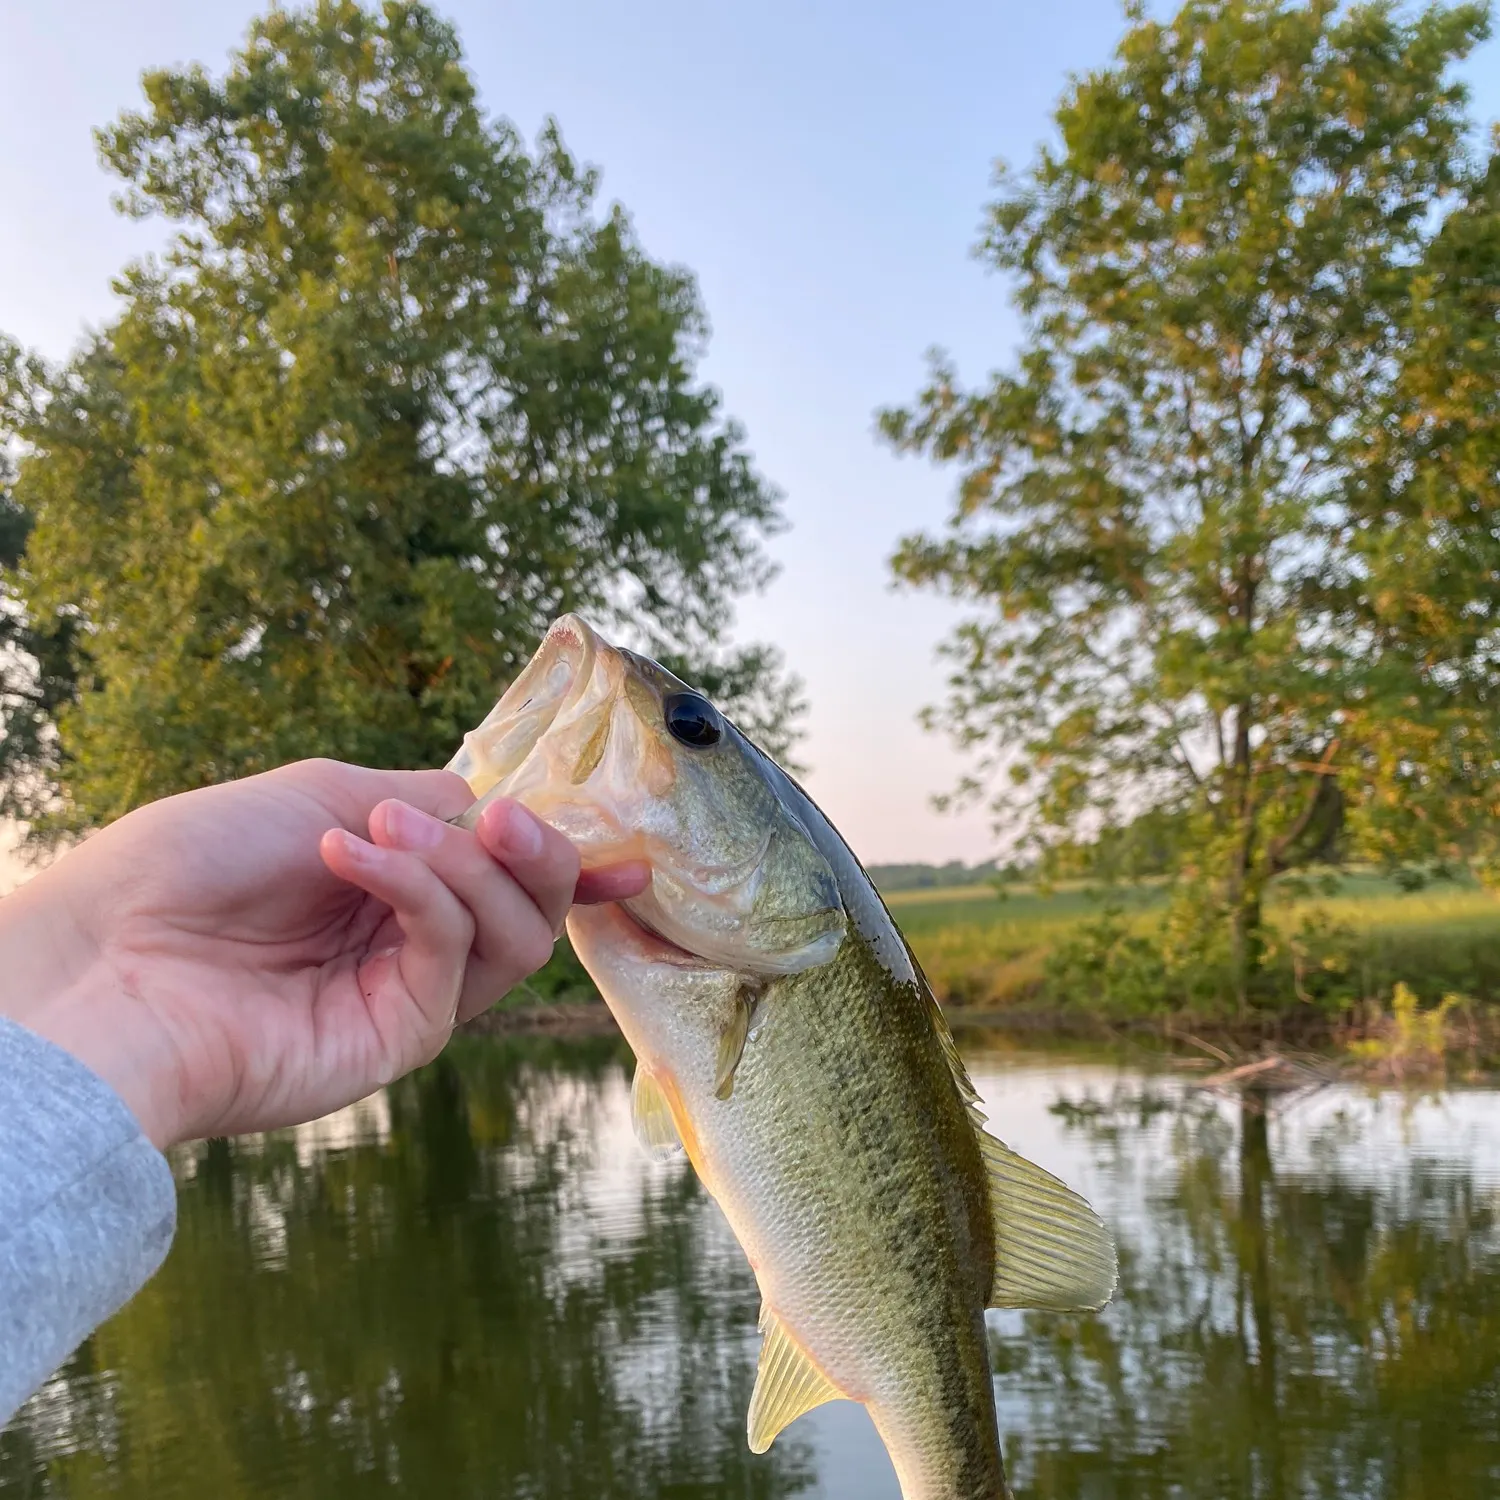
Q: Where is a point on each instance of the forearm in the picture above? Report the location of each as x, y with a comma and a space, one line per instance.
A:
87, 1208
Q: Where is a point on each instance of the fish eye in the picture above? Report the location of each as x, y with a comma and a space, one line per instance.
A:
693, 720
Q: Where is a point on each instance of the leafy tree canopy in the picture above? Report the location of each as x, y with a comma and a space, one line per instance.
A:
396, 396
1230, 526
37, 658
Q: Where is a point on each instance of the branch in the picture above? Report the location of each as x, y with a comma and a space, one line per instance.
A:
1187, 762
1266, 379
1319, 771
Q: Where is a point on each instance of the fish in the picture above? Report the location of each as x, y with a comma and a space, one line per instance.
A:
787, 1041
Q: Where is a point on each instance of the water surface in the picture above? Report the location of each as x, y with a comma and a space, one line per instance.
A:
473, 1284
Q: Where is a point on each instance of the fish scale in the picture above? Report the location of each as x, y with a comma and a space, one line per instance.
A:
866, 1262
910, 1248
860, 1264
838, 1132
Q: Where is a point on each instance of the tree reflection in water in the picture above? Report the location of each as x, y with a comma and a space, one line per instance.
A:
1278, 1333
489, 1295
475, 1285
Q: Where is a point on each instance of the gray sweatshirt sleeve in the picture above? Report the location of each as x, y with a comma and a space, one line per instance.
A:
87, 1208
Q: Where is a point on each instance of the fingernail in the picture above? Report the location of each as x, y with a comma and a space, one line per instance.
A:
411, 829
517, 831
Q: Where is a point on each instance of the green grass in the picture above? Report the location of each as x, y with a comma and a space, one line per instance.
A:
980, 906
990, 952
984, 949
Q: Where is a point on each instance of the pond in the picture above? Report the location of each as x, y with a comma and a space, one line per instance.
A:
474, 1284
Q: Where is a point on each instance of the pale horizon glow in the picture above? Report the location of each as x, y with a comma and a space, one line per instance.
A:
822, 170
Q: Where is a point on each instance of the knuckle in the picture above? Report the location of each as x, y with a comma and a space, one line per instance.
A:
465, 928
532, 947
317, 768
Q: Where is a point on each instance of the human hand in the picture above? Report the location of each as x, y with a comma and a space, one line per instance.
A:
237, 958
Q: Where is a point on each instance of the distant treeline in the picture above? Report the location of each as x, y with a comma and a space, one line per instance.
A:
920, 877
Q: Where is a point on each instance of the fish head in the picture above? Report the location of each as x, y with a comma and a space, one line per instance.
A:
629, 762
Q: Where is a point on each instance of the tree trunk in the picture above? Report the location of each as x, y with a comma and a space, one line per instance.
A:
1243, 887
1245, 940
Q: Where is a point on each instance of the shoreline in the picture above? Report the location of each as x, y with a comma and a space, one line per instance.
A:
566, 1018
581, 1018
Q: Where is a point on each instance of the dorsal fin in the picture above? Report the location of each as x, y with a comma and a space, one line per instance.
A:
652, 1117
1051, 1249
967, 1092
787, 1384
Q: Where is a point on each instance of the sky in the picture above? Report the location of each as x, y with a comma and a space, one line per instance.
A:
820, 167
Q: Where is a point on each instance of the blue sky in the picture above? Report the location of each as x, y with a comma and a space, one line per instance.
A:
821, 167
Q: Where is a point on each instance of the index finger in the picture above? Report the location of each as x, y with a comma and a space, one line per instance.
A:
540, 860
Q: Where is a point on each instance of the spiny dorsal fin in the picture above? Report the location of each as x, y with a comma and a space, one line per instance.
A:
787, 1385
1052, 1250
966, 1089
654, 1127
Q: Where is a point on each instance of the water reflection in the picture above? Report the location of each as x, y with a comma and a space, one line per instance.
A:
474, 1284
479, 1288
1309, 1303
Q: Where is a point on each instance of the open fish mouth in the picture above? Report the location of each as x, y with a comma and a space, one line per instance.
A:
549, 683
583, 738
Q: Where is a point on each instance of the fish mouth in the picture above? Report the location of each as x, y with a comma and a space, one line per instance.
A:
548, 685
645, 941
570, 739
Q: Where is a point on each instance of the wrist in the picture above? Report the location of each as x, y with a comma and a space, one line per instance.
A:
55, 982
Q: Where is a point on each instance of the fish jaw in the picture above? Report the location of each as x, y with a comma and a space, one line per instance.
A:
561, 667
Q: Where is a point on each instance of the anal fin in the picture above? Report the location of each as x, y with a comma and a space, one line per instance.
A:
787, 1385
652, 1117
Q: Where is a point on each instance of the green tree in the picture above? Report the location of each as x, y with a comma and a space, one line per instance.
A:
1214, 573
396, 396
1428, 556
37, 657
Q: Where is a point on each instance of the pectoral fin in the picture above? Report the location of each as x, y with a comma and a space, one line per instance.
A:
732, 1046
787, 1385
652, 1118
1051, 1249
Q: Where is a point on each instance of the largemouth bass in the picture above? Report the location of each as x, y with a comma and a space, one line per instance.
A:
786, 1039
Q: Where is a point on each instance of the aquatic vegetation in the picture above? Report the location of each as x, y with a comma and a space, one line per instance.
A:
1408, 1041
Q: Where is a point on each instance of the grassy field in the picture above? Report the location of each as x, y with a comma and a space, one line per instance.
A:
991, 952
